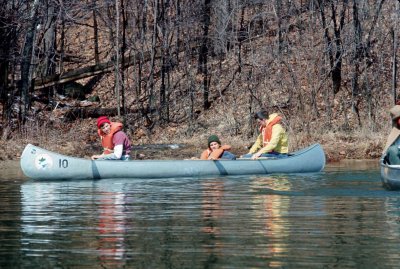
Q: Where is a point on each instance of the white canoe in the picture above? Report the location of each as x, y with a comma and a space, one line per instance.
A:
41, 164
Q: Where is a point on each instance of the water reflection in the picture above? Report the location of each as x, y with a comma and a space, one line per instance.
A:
10, 211
212, 193
392, 209
272, 209
38, 204
51, 211
340, 225
212, 213
331, 219
111, 227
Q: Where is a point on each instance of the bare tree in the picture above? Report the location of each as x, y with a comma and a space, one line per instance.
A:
334, 41
117, 56
8, 46
311, 57
222, 17
26, 70
49, 44
95, 32
203, 54
394, 55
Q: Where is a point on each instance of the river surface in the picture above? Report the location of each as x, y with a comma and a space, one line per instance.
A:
339, 218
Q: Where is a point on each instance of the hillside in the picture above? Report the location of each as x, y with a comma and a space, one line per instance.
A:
327, 71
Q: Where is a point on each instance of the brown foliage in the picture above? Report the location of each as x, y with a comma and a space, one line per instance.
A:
286, 62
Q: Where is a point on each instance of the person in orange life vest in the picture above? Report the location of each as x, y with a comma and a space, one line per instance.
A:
216, 151
116, 144
272, 140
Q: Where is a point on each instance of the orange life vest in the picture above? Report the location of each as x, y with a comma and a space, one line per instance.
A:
107, 140
215, 154
267, 130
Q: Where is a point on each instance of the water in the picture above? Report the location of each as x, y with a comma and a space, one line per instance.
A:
340, 218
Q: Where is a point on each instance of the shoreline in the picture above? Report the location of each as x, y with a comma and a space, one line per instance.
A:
11, 170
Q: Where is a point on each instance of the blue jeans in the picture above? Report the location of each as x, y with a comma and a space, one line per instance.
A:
228, 156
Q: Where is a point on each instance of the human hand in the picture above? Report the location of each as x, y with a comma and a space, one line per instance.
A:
95, 157
256, 156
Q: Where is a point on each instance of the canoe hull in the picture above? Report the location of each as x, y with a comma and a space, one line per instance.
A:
390, 175
38, 163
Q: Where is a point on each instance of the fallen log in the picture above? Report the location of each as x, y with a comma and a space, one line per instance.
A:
89, 71
95, 112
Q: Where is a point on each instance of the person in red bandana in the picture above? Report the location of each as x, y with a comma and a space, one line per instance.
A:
116, 144
273, 139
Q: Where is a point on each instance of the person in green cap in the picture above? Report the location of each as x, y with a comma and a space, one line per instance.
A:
216, 151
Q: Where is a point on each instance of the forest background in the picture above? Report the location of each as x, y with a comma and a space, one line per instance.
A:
176, 71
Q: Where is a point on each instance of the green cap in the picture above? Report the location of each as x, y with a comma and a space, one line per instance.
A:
213, 138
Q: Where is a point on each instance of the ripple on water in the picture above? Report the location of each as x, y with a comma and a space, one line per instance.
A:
330, 219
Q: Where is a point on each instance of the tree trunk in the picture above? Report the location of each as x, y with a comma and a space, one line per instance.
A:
203, 56
220, 8
95, 34
4, 81
62, 44
335, 58
26, 60
50, 43
123, 49
336, 73
117, 57
394, 66
358, 52
153, 55
280, 31
178, 28
163, 102
7, 41
241, 35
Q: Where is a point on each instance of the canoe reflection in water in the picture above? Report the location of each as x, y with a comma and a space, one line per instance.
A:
212, 211
111, 228
273, 209
54, 218
267, 216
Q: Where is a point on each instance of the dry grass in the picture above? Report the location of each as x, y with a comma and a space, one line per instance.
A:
230, 123
79, 139
337, 146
